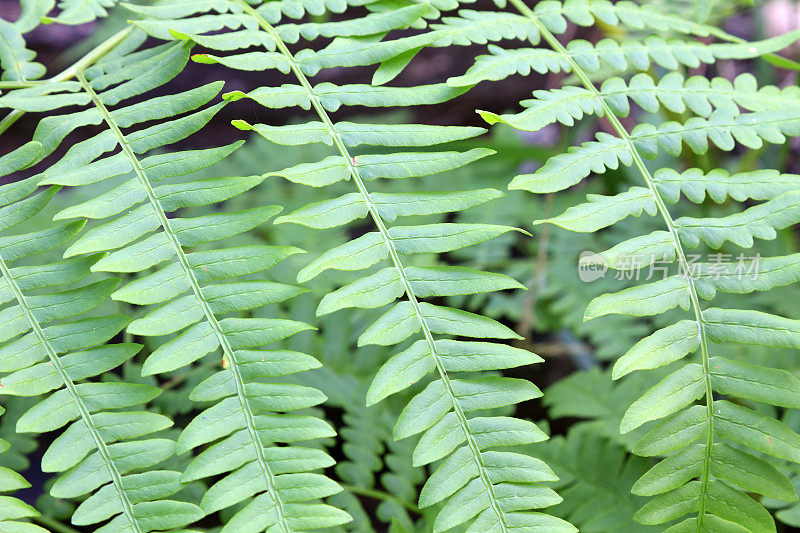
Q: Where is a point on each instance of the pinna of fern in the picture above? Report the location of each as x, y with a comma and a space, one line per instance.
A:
16, 60
712, 447
495, 490
192, 289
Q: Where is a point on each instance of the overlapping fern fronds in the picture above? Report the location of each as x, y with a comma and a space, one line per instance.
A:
712, 446
207, 307
74, 11
596, 477
137, 228
35, 12
17, 61
497, 489
51, 347
189, 285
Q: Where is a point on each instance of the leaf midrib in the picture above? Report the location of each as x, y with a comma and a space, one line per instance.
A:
195, 286
99, 443
354, 172
651, 184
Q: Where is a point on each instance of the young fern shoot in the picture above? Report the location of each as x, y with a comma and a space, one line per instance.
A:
496, 490
704, 475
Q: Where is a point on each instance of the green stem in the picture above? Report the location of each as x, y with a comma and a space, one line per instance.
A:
227, 350
22, 84
102, 448
393, 254
380, 495
82, 64
54, 525
556, 45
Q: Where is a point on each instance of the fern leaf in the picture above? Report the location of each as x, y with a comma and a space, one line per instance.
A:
501, 502
721, 128
585, 217
470, 27
719, 185
16, 60
675, 93
567, 169
31, 13
47, 356
553, 16
759, 221
618, 56
136, 232
332, 96
705, 475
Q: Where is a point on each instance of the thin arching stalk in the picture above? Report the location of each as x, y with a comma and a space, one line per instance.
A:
683, 263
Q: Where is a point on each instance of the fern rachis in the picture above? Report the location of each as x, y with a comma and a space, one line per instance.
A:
395, 259
228, 353
706, 495
679, 251
497, 512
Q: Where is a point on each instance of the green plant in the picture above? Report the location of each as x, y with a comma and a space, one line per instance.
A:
701, 477
439, 409
198, 384
46, 354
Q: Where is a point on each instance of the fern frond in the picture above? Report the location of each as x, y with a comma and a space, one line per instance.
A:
473, 27
698, 94
31, 13
670, 54
553, 15
46, 355
711, 464
722, 128
140, 233
472, 479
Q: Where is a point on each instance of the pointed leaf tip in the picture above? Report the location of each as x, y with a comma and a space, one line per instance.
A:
180, 35
488, 116
233, 96
241, 124
203, 58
